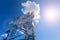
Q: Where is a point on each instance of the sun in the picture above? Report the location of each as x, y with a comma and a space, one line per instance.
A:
50, 13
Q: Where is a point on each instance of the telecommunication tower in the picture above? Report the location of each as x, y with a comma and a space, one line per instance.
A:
24, 26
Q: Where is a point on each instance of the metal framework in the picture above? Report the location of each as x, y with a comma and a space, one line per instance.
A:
24, 26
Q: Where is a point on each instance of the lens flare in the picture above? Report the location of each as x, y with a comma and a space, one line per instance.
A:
50, 14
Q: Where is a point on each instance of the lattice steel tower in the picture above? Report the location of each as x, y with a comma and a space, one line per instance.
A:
24, 26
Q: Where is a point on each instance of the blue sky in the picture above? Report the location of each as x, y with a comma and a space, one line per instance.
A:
10, 9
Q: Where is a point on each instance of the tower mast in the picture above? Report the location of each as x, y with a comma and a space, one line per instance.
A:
24, 26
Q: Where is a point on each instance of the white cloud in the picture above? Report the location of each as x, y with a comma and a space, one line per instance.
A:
30, 7
4, 35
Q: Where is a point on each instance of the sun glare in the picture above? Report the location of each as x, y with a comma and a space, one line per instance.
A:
50, 13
